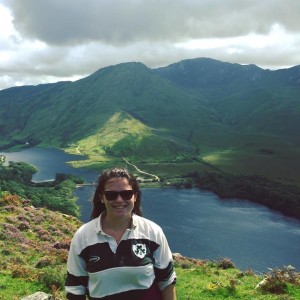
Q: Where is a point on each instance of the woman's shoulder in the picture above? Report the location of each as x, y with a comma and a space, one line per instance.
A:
85, 235
146, 223
87, 228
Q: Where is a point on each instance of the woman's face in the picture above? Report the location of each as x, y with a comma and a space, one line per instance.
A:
116, 206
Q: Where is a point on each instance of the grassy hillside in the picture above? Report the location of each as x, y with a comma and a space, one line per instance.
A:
124, 136
34, 246
68, 112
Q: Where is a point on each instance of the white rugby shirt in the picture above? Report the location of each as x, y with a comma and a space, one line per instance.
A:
102, 269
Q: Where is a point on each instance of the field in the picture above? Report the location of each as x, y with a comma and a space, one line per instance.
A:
262, 155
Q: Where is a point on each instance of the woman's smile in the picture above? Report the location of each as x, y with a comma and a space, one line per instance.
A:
119, 206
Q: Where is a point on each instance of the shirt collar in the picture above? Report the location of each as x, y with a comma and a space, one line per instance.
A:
134, 221
99, 223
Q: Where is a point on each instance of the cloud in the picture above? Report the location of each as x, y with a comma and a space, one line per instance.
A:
54, 40
120, 22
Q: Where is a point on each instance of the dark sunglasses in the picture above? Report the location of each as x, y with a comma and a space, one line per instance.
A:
112, 195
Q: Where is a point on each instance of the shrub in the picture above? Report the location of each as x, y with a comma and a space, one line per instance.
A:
11, 232
276, 281
24, 225
248, 272
272, 285
53, 277
8, 199
19, 271
225, 263
43, 262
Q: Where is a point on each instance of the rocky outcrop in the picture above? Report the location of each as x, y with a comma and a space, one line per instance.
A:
38, 296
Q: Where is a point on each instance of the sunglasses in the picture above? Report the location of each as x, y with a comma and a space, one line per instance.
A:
112, 195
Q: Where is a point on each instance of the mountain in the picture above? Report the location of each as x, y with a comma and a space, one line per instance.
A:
245, 96
199, 113
66, 112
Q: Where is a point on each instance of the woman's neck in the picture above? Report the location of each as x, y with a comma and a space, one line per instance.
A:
117, 224
115, 228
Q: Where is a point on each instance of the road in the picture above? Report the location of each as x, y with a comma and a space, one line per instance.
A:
139, 170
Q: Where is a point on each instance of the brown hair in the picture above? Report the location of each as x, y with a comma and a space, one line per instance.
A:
98, 206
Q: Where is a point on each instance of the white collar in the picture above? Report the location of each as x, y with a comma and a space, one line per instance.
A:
99, 223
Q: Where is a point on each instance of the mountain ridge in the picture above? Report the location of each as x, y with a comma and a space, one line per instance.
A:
128, 90
245, 91
197, 110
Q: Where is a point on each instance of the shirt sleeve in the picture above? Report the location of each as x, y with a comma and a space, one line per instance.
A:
163, 266
77, 277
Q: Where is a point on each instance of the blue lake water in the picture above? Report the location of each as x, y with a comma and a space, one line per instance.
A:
49, 162
197, 223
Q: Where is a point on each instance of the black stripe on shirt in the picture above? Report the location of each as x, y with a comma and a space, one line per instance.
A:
164, 274
152, 293
75, 297
100, 257
73, 280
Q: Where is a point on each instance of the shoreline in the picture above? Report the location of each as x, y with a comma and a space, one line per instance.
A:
281, 197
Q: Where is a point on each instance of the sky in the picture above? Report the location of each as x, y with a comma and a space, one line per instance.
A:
45, 41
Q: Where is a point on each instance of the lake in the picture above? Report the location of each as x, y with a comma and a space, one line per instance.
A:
197, 223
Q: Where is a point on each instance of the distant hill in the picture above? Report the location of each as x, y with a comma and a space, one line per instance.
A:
245, 97
204, 112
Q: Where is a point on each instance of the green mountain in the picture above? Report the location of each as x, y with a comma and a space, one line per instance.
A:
195, 115
246, 97
66, 112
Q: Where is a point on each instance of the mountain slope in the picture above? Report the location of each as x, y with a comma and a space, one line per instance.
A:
67, 112
123, 135
246, 97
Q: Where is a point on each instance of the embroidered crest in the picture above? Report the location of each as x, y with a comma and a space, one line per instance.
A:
139, 250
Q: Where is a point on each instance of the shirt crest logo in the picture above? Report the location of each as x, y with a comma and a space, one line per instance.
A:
139, 250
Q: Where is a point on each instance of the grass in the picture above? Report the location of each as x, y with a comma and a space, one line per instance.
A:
210, 283
33, 243
9, 291
207, 280
271, 161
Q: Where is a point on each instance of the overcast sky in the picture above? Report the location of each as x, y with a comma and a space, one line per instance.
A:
53, 40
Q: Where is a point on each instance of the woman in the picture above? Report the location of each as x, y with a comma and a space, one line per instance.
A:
119, 255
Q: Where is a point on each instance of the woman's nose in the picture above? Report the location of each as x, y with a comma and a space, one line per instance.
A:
119, 198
